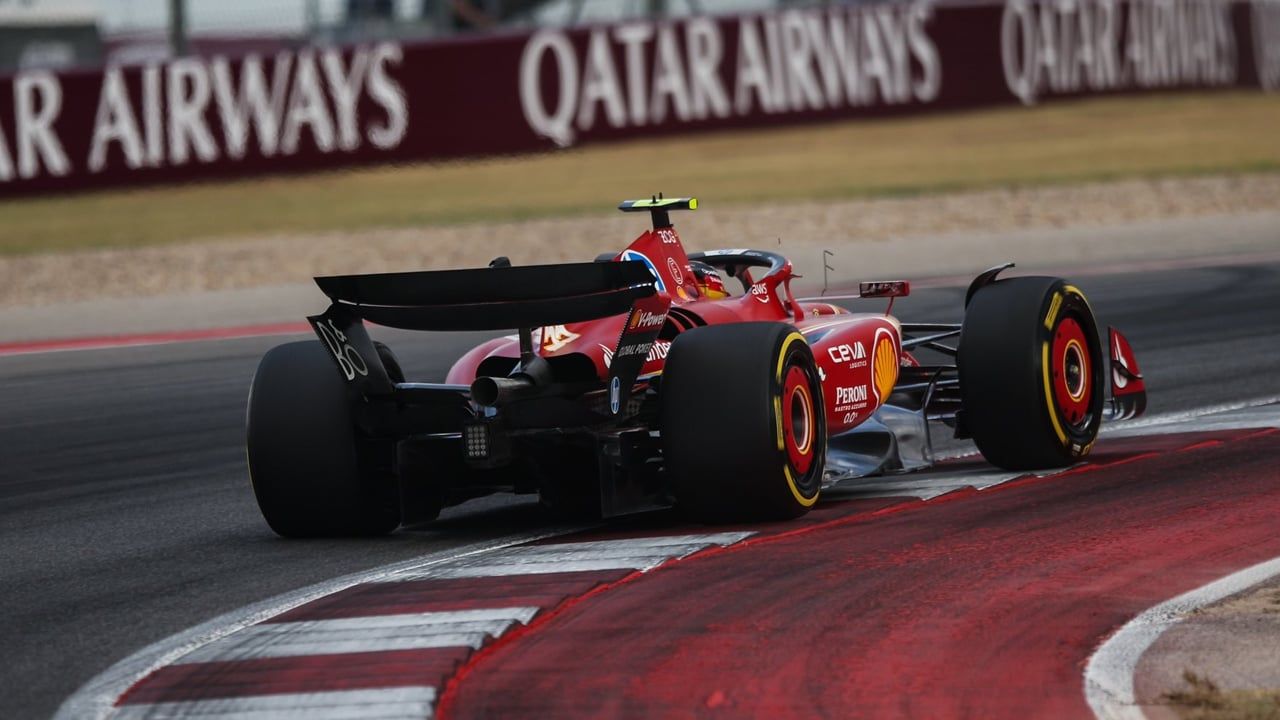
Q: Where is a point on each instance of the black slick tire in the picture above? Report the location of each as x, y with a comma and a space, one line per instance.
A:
1032, 377
310, 469
742, 423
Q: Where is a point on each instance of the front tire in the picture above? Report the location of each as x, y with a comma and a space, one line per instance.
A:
312, 473
743, 428
1031, 373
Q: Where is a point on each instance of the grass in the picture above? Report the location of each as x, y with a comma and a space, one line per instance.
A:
1160, 135
1204, 700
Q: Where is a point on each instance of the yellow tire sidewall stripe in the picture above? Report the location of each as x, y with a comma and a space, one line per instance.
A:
1048, 395
777, 413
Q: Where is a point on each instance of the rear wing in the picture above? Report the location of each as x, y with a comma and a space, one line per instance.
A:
496, 298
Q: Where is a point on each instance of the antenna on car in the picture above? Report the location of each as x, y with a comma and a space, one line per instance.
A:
825, 267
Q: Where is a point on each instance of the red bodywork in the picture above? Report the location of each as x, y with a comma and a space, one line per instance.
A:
858, 354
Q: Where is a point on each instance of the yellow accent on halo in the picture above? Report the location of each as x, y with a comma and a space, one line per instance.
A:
791, 483
1048, 395
1054, 305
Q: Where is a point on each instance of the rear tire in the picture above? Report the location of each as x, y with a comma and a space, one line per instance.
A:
744, 432
312, 473
1031, 373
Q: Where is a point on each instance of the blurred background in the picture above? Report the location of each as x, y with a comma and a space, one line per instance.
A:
69, 33
196, 162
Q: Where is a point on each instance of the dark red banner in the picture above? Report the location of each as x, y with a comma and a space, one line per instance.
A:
207, 117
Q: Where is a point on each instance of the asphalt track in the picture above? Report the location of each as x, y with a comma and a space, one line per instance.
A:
126, 514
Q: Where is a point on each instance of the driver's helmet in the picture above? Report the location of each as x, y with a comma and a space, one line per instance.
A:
710, 284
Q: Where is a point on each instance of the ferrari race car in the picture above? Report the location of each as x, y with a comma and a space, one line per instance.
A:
638, 381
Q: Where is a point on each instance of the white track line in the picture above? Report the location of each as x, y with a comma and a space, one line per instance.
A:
410, 631
406, 703
1108, 678
94, 699
924, 487
630, 554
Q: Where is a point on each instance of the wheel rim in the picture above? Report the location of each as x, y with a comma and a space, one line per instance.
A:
1072, 375
800, 422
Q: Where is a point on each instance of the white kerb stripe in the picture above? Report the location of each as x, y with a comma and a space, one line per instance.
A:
94, 700
724, 538
925, 487
630, 554
1108, 678
405, 703
464, 628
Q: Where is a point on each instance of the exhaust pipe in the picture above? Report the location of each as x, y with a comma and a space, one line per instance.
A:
495, 391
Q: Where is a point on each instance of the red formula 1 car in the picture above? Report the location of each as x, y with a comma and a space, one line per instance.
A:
638, 381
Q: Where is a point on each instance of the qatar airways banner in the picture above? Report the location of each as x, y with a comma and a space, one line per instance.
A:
327, 108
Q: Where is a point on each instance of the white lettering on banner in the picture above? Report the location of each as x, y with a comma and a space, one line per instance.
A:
115, 123
600, 85
307, 93
668, 79
386, 92
345, 87
753, 76
189, 92
553, 124
1076, 45
37, 100
307, 107
633, 38
794, 61
706, 48
152, 114
266, 107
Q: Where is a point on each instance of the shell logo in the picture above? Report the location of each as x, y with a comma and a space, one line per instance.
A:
884, 364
